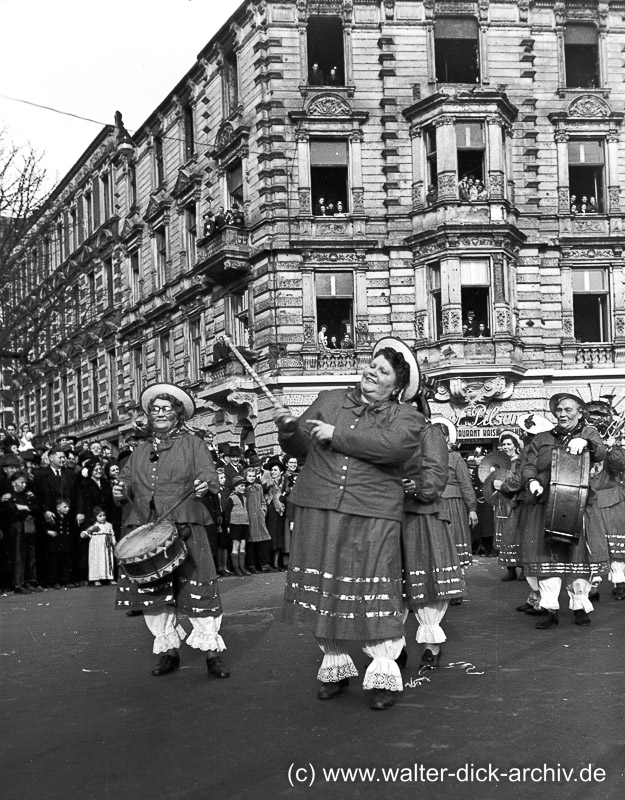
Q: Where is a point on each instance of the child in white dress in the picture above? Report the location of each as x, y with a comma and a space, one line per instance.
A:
100, 548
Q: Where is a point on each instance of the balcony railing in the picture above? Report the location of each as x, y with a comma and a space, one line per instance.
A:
594, 354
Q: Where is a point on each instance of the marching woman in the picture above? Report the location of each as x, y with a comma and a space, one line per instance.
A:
432, 571
541, 555
344, 578
505, 509
460, 497
170, 464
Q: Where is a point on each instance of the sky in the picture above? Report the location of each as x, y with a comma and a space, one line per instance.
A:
91, 58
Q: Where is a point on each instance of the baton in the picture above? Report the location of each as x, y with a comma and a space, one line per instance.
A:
290, 424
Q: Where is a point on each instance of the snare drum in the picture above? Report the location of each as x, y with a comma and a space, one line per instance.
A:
150, 552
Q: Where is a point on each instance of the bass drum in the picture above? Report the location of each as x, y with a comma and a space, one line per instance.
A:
568, 495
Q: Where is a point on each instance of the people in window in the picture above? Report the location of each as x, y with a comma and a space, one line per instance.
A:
315, 76
220, 218
339, 210
322, 337
471, 190
463, 189
482, 331
346, 342
592, 206
320, 207
574, 208
333, 343
333, 79
432, 195
213, 222
471, 324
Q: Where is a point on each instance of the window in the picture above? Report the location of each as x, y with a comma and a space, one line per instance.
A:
196, 349
230, 83
234, 180
164, 356
110, 285
190, 225
335, 308
64, 398
456, 50
132, 185
237, 318
95, 386
329, 175
160, 260
79, 405
134, 277
112, 383
73, 229
88, 213
586, 175
159, 161
50, 404
581, 56
136, 368
590, 305
91, 294
475, 297
106, 196
431, 159
436, 312
46, 256
59, 243
188, 131
326, 58
471, 149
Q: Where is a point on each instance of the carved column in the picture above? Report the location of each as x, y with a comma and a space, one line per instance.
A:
614, 189
416, 141
361, 311
483, 55
303, 174
309, 309
357, 189
422, 327
562, 146
568, 331
303, 53
447, 159
495, 159
451, 297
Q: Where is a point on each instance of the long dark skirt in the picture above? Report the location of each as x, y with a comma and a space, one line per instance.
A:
344, 578
191, 587
432, 569
541, 557
460, 529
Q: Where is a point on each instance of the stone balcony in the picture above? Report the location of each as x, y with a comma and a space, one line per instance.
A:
501, 355
455, 213
224, 256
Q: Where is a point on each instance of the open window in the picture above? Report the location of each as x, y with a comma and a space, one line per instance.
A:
432, 163
136, 367
237, 318
436, 308
196, 348
230, 77
590, 305
160, 256
326, 56
456, 50
190, 233
234, 181
329, 176
188, 131
164, 356
95, 386
471, 149
335, 310
581, 56
475, 297
134, 276
587, 175
159, 161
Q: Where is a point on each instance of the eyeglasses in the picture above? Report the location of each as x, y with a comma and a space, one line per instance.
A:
161, 410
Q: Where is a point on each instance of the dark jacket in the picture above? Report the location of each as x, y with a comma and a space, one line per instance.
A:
360, 471
181, 460
48, 488
428, 468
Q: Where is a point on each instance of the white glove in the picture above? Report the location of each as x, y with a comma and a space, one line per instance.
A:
535, 488
577, 446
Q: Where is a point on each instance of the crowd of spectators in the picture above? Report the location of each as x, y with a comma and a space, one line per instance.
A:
59, 521
214, 222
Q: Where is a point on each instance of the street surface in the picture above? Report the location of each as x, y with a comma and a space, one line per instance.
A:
512, 712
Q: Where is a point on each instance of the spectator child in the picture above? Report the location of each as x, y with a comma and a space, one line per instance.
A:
259, 548
235, 517
102, 538
60, 546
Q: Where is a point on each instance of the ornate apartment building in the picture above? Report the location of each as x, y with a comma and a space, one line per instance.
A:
447, 172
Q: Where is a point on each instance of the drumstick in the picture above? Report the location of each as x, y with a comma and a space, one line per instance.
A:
290, 424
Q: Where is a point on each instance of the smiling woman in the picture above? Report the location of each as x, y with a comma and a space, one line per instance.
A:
344, 579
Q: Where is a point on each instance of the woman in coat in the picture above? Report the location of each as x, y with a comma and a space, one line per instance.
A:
162, 469
344, 578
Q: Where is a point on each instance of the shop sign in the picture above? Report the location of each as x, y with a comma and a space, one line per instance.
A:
481, 422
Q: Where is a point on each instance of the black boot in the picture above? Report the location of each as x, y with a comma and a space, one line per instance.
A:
402, 658
510, 575
327, 691
550, 619
581, 617
216, 667
167, 662
242, 568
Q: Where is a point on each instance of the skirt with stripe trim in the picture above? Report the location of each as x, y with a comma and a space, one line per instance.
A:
344, 578
432, 569
461, 530
191, 588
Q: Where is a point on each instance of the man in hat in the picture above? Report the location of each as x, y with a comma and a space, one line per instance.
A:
166, 478
232, 464
544, 554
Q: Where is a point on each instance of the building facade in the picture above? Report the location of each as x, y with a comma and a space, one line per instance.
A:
329, 172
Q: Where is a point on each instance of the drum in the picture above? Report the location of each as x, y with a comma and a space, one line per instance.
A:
568, 494
151, 551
